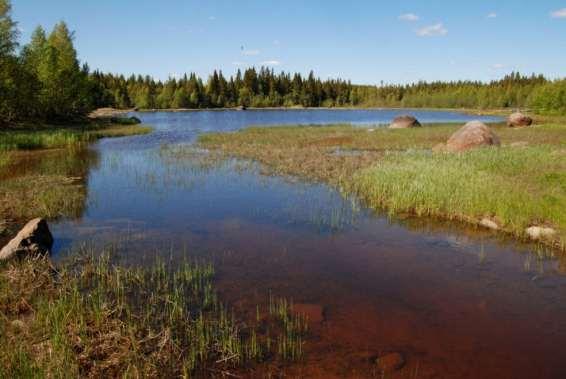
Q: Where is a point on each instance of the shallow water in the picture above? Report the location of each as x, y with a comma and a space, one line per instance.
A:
456, 302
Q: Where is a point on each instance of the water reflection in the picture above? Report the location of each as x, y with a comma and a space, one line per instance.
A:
52, 183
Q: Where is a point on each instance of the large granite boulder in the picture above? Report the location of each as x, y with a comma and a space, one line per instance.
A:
473, 134
403, 122
517, 120
34, 239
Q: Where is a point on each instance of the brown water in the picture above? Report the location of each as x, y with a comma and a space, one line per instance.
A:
456, 302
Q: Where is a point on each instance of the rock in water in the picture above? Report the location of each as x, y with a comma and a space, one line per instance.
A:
473, 134
403, 122
390, 362
34, 239
519, 120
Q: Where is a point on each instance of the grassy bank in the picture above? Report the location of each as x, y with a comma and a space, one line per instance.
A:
48, 137
93, 318
519, 185
50, 180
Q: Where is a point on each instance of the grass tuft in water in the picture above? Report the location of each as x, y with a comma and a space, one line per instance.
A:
93, 318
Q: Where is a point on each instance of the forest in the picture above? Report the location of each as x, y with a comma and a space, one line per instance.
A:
44, 81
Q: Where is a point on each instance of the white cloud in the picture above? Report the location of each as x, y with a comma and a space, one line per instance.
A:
492, 15
498, 66
250, 52
271, 63
432, 30
560, 13
238, 63
411, 17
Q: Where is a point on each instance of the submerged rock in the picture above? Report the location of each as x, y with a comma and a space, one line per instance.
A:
519, 119
403, 122
473, 134
390, 362
34, 239
540, 232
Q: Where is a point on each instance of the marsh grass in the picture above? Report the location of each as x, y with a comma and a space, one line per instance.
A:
94, 318
47, 138
31, 186
519, 185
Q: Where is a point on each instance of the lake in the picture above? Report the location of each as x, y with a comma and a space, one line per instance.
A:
456, 302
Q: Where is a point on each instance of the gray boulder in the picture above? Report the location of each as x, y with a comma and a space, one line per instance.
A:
34, 239
404, 122
518, 119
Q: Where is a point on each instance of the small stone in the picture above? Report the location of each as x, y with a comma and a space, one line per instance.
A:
540, 232
488, 223
390, 362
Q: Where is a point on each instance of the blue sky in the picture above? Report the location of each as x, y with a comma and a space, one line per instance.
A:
365, 41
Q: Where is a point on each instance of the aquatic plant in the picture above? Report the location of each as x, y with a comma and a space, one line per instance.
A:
94, 317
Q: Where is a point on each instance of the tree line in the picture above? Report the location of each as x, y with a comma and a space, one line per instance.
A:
44, 81
265, 88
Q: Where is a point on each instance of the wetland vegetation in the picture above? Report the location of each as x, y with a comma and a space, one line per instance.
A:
519, 185
36, 183
95, 318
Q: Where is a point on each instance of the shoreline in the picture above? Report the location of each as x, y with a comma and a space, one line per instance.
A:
479, 112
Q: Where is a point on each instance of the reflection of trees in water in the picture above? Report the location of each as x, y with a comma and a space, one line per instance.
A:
46, 183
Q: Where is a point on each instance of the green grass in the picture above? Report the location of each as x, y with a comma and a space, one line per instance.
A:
21, 139
94, 318
518, 187
521, 184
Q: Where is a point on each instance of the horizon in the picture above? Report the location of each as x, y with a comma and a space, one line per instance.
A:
224, 36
